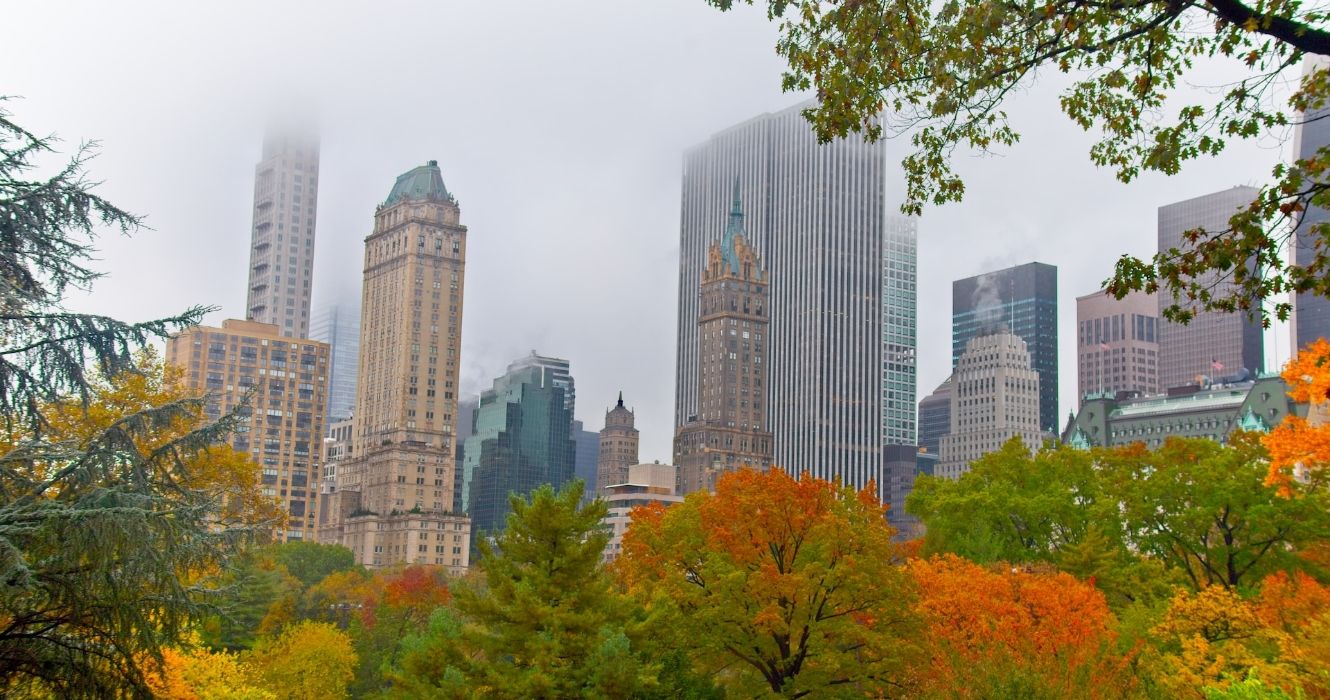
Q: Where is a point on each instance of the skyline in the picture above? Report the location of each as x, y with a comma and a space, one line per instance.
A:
619, 209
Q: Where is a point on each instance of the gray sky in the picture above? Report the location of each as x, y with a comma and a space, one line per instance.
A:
558, 126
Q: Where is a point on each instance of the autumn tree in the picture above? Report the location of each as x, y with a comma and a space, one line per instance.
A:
545, 622
307, 661
1300, 448
1204, 509
941, 74
202, 674
1003, 632
99, 535
311, 562
780, 585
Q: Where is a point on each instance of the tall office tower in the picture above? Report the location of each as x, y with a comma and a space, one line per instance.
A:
1311, 312
1117, 344
899, 309
338, 325
395, 495
586, 463
818, 215
730, 431
522, 439
994, 396
1214, 343
284, 426
556, 372
1024, 301
281, 254
935, 417
618, 446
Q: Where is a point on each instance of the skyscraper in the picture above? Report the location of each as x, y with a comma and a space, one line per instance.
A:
935, 417
1117, 344
555, 372
281, 256
817, 215
587, 460
283, 427
1023, 300
994, 395
1214, 342
338, 325
618, 446
394, 496
730, 430
1311, 312
522, 439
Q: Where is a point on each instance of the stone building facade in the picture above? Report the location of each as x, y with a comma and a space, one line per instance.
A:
1117, 344
618, 446
994, 396
730, 431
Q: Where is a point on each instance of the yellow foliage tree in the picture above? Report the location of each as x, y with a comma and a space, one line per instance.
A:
307, 661
200, 674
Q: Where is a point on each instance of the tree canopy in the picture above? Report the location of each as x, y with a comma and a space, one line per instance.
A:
940, 73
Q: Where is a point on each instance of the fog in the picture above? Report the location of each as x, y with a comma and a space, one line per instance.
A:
559, 127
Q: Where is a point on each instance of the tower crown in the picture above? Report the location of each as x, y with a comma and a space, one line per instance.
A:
424, 182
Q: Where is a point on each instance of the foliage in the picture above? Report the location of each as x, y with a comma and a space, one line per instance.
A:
1249, 688
1205, 510
789, 586
545, 624
307, 661
200, 674
1300, 445
942, 73
257, 597
311, 562
1014, 633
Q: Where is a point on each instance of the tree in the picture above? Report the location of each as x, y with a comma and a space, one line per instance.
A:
546, 623
201, 674
1298, 446
98, 536
1205, 509
1014, 633
307, 661
783, 586
942, 73
311, 562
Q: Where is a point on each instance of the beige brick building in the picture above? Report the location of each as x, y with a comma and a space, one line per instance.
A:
618, 447
284, 430
1117, 344
994, 396
730, 430
393, 496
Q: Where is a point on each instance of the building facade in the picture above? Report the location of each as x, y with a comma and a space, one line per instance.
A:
283, 423
394, 497
281, 255
994, 396
643, 484
587, 461
617, 448
338, 325
1214, 343
935, 417
842, 279
521, 440
904, 464
1023, 300
730, 430
1213, 412
556, 372
1311, 312
1117, 344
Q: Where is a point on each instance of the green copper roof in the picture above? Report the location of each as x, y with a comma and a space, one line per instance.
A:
735, 227
422, 182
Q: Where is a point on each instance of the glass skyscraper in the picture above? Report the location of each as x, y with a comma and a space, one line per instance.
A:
842, 306
520, 440
1024, 301
338, 325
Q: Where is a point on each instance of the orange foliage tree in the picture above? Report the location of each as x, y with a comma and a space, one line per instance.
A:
201, 674
1014, 633
1299, 447
789, 585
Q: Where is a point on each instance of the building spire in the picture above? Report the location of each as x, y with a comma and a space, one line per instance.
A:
621, 398
734, 228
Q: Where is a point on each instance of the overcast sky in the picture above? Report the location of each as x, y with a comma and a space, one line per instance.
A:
558, 126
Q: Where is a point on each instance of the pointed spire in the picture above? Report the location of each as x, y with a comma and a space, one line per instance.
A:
734, 228
621, 398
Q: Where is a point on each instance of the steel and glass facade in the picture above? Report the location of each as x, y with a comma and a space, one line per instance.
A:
338, 325
818, 217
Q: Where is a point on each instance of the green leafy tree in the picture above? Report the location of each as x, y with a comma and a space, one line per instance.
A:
311, 562
100, 541
942, 73
546, 623
1204, 509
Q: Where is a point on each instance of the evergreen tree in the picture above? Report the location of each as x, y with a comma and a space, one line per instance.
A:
100, 535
